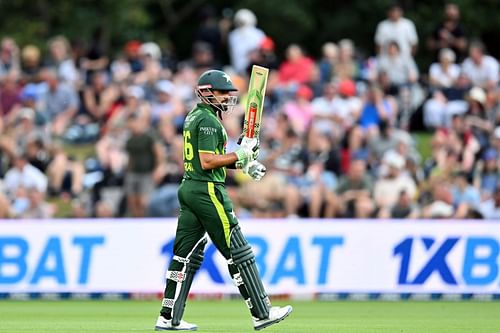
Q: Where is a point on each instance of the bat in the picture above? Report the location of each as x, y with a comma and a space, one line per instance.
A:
255, 102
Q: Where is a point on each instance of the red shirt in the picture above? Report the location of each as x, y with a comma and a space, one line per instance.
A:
299, 71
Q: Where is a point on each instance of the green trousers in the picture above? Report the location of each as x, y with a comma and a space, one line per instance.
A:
205, 207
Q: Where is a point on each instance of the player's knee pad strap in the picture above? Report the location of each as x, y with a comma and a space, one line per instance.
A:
184, 278
244, 259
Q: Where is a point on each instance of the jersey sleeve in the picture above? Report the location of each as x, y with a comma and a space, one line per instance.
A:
208, 135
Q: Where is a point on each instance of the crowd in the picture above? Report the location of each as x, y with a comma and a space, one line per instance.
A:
335, 136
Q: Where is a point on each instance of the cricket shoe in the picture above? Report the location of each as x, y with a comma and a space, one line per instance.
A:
163, 324
276, 314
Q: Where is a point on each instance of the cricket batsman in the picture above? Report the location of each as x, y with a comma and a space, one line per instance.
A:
206, 208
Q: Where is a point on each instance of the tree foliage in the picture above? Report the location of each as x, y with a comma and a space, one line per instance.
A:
309, 23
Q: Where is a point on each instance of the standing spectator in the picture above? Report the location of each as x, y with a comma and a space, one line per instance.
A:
396, 28
209, 31
245, 38
144, 155
94, 60
449, 33
480, 68
61, 61
444, 74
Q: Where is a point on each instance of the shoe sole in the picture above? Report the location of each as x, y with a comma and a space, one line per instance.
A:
158, 328
258, 328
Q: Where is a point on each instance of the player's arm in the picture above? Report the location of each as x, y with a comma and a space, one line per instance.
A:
211, 161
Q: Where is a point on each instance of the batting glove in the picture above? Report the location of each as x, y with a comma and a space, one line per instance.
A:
252, 144
245, 156
256, 170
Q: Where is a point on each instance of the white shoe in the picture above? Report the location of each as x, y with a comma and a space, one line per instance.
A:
163, 324
276, 314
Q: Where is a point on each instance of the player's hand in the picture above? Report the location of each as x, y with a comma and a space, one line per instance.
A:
250, 143
256, 170
245, 156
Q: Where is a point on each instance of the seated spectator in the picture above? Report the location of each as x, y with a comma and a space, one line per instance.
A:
487, 174
65, 175
481, 69
347, 105
400, 70
392, 181
346, 68
377, 107
478, 118
61, 62
353, 192
60, 103
99, 97
296, 69
37, 207
444, 73
466, 197
323, 109
30, 63
24, 175
10, 99
328, 62
441, 203
9, 57
388, 139
299, 111
491, 208
167, 104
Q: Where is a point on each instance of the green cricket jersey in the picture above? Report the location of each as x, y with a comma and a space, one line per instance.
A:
203, 132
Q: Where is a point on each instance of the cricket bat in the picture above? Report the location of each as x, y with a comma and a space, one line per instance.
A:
255, 102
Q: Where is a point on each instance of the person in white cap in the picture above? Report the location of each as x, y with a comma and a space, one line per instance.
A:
245, 38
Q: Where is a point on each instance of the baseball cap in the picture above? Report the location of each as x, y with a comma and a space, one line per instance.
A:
477, 94
347, 88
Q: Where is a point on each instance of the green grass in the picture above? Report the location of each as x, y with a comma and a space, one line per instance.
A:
232, 316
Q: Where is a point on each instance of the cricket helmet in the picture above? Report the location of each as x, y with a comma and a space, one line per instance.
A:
215, 80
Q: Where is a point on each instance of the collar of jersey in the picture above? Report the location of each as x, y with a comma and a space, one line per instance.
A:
206, 107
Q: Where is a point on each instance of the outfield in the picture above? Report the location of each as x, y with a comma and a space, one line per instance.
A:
231, 316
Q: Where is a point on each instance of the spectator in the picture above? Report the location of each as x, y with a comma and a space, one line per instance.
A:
377, 107
95, 59
60, 103
487, 174
392, 181
167, 104
209, 31
243, 39
299, 111
444, 73
31, 63
9, 57
399, 29
449, 33
491, 208
144, 155
10, 99
347, 105
296, 69
65, 175
466, 198
37, 207
328, 62
24, 175
478, 118
99, 97
401, 70
61, 61
481, 69
346, 67
354, 190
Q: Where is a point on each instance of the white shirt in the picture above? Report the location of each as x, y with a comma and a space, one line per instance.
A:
444, 78
347, 109
241, 42
387, 190
481, 75
402, 31
28, 177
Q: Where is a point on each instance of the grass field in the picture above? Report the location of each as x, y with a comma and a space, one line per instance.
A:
231, 316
